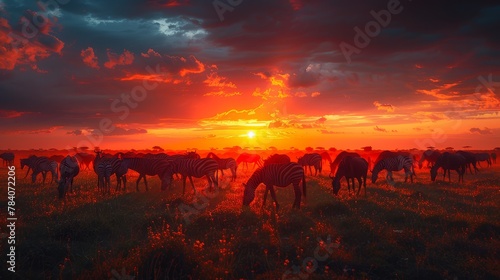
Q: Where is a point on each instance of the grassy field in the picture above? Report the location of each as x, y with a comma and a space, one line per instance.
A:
424, 230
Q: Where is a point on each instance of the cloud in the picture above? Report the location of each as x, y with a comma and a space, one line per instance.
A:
224, 87
126, 58
119, 131
76, 132
324, 131
315, 94
380, 129
384, 107
89, 58
10, 114
441, 92
481, 131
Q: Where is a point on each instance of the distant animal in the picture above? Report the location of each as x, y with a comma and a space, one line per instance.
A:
68, 169
325, 156
189, 168
391, 154
249, 158
430, 156
494, 157
225, 163
394, 164
280, 175
448, 162
8, 158
85, 159
339, 158
350, 167
40, 165
277, 159
57, 158
103, 170
483, 157
470, 159
313, 159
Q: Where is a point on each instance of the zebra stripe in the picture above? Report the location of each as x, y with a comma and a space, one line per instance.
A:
280, 175
147, 166
225, 163
313, 159
40, 165
103, 169
118, 168
68, 168
195, 168
394, 164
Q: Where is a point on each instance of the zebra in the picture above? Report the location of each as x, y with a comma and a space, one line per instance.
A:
118, 168
448, 162
8, 158
483, 157
277, 159
189, 168
249, 158
147, 166
40, 165
470, 159
68, 169
339, 158
430, 156
103, 169
325, 156
225, 163
391, 154
494, 158
313, 159
394, 164
280, 175
351, 167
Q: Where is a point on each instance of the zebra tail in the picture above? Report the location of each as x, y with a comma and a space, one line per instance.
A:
304, 184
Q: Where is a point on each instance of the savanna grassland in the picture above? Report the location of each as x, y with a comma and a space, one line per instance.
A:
424, 230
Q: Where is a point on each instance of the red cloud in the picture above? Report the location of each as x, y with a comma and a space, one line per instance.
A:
89, 58
10, 114
114, 59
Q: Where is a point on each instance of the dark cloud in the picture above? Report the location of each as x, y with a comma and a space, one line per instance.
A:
481, 131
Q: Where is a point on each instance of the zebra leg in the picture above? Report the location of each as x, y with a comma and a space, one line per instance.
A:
273, 195
265, 197
209, 179
298, 195
124, 178
360, 183
138, 180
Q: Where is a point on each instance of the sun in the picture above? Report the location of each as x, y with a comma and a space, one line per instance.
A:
251, 134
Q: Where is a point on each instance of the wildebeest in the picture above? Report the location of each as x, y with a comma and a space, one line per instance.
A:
483, 157
339, 158
68, 169
280, 175
350, 168
249, 158
470, 159
8, 158
448, 162
430, 156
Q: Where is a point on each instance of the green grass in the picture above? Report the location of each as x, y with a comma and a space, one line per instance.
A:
423, 230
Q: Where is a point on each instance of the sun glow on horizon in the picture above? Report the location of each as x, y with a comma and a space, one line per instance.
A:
251, 134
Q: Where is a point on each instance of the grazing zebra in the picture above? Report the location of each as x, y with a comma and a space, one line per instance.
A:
494, 157
339, 158
394, 164
280, 175
147, 166
40, 165
430, 156
483, 157
313, 159
118, 168
68, 169
449, 162
8, 158
249, 158
192, 167
85, 159
391, 154
470, 159
277, 159
225, 163
103, 169
350, 168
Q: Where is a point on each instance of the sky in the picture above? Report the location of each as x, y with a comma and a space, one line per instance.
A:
286, 73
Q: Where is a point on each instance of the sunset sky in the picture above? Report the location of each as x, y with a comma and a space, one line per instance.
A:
197, 73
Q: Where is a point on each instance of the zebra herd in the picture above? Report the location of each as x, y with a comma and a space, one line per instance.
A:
276, 170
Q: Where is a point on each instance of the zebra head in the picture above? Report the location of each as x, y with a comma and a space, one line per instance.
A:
249, 194
61, 188
434, 170
335, 185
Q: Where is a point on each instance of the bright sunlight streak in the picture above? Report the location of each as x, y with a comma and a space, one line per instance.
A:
251, 134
